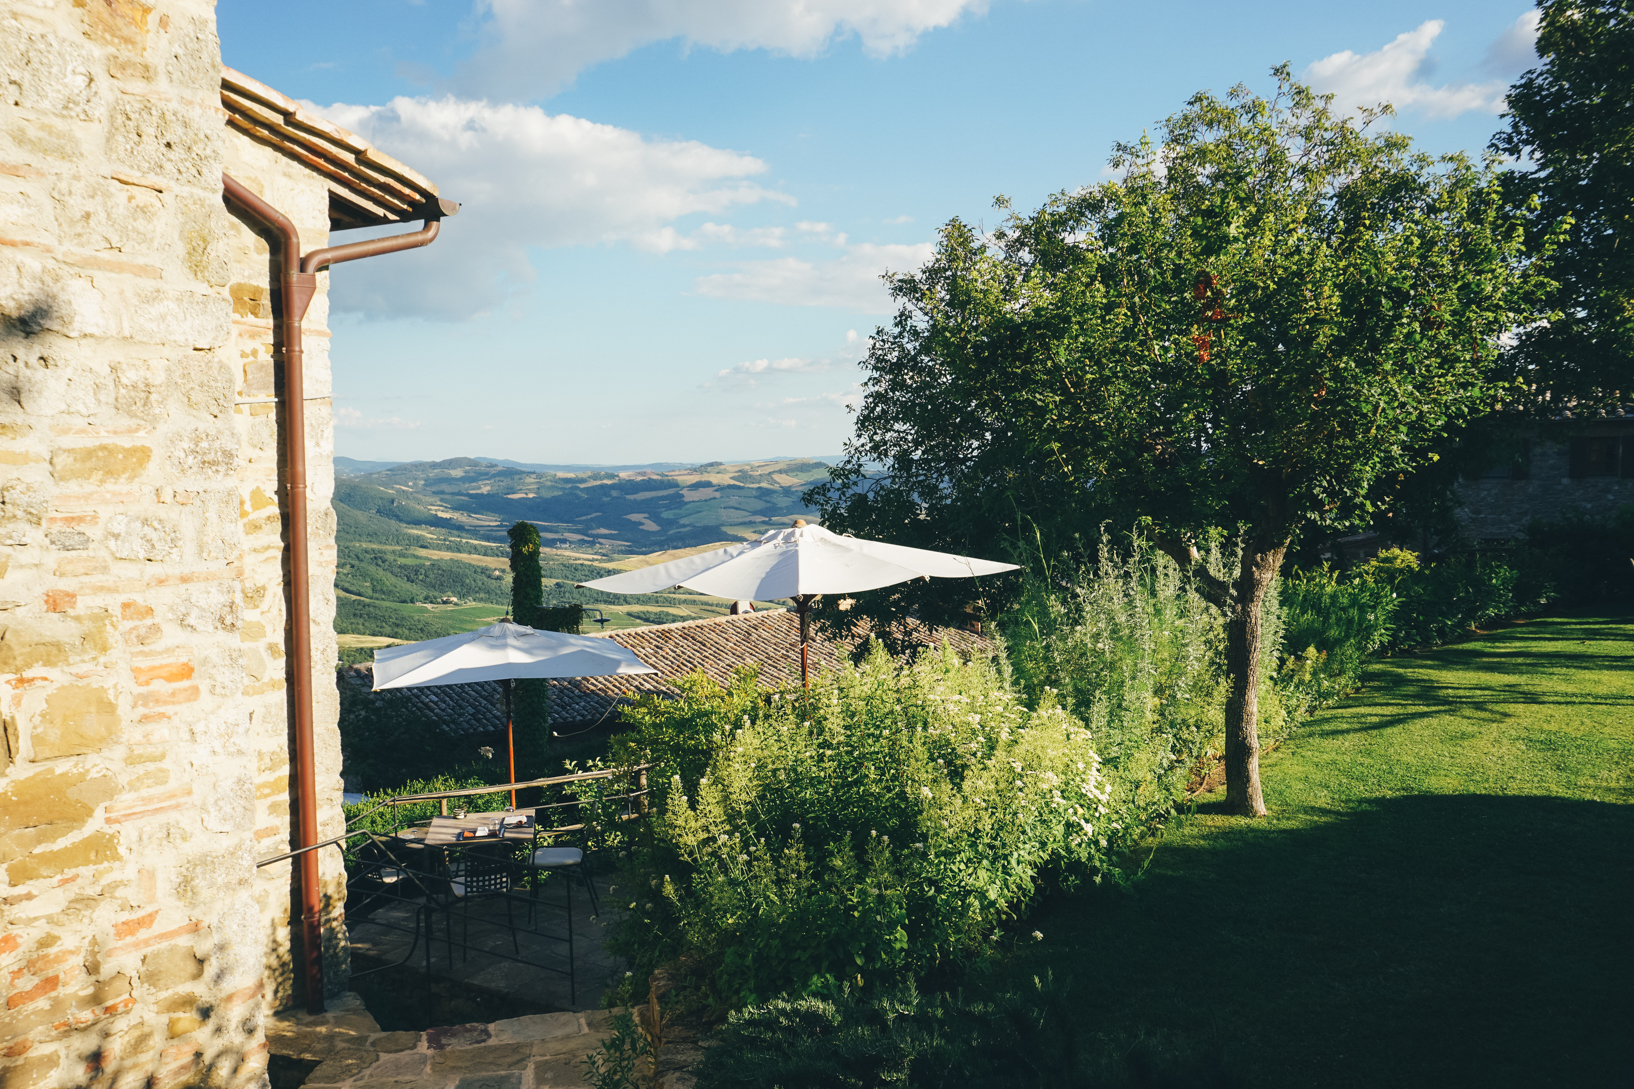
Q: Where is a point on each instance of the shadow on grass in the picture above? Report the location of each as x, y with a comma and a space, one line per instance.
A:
1426, 940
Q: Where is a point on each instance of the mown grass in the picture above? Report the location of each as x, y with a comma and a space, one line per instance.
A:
1441, 895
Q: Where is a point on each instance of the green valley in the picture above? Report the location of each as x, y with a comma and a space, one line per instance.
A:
422, 551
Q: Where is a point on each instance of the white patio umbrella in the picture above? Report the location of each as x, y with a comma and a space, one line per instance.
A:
797, 563
502, 652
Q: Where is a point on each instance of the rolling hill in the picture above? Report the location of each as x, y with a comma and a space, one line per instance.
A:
423, 550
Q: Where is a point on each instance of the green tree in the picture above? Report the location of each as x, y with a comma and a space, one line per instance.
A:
530, 713
1572, 119
1272, 314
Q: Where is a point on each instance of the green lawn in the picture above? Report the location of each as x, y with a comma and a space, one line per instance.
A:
1442, 895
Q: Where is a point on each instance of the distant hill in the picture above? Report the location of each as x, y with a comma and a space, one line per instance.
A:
345, 467
423, 548
607, 511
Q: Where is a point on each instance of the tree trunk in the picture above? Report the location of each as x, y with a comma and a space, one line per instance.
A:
1260, 563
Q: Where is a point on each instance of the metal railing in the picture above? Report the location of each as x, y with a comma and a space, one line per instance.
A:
404, 885
640, 770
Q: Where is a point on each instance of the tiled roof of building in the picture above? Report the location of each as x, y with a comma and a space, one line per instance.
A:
367, 187
717, 647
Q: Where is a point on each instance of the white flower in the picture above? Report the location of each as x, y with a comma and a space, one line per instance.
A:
1037, 936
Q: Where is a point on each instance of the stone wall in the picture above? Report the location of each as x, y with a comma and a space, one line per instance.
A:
302, 196
145, 765
1500, 509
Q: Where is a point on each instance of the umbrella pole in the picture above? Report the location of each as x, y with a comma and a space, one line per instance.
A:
802, 604
510, 737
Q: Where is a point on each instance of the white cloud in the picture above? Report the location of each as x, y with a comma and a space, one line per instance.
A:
1396, 74
536, 47
791, 365
527, 178
1516, 49
352, 420
898, 219
847, 398
851, 281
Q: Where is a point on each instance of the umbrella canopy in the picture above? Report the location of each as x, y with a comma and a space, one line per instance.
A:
799, 562
499, 652
502, 652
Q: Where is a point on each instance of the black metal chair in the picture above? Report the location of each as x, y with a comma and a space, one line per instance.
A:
467, 877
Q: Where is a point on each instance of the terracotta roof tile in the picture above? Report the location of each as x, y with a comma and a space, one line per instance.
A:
717, 646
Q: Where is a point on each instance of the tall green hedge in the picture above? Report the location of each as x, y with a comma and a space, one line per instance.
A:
530, 699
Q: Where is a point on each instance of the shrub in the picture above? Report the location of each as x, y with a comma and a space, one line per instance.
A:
1032, 1039
895, 819
1138, 657
1331, 626
1588, 558
386, 820
1444, 600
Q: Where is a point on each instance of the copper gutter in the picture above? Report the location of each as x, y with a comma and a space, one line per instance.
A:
298, 282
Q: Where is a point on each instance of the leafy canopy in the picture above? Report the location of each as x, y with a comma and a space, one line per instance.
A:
1572, 118
1273, 309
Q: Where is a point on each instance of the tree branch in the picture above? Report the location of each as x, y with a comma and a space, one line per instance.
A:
1216, 591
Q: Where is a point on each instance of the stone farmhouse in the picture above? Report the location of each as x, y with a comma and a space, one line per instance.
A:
167, 543
1582, 464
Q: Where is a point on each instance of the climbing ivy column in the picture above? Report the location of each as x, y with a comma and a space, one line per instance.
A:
530, 705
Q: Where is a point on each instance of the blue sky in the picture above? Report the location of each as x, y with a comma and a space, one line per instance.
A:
676, 211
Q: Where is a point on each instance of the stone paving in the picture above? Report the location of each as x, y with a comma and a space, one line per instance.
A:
388, 933
541, 1051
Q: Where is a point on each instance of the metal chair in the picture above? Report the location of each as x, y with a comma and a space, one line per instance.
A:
571, 864
466, 878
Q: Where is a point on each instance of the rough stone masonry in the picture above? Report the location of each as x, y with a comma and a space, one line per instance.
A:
145, 764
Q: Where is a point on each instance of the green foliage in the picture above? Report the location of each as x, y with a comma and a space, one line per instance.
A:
613, 1066
351, 656
657, 616
391, 575
1472, 799
569, 571
391, 506
354, 526
1571, 119
565, 618
894, 820
530, 699
1332, 626
1585, 558
1443, 601
355, 617
1014, 1039
1135, 654
527, 585
364, 814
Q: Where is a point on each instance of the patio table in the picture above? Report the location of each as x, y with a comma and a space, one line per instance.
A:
458, 831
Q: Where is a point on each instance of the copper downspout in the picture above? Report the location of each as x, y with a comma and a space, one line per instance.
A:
298, 282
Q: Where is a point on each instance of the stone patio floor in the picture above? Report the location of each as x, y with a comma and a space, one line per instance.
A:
542, 1051
387, 934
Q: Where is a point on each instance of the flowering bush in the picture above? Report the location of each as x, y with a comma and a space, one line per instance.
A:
893, 819
1138, 656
